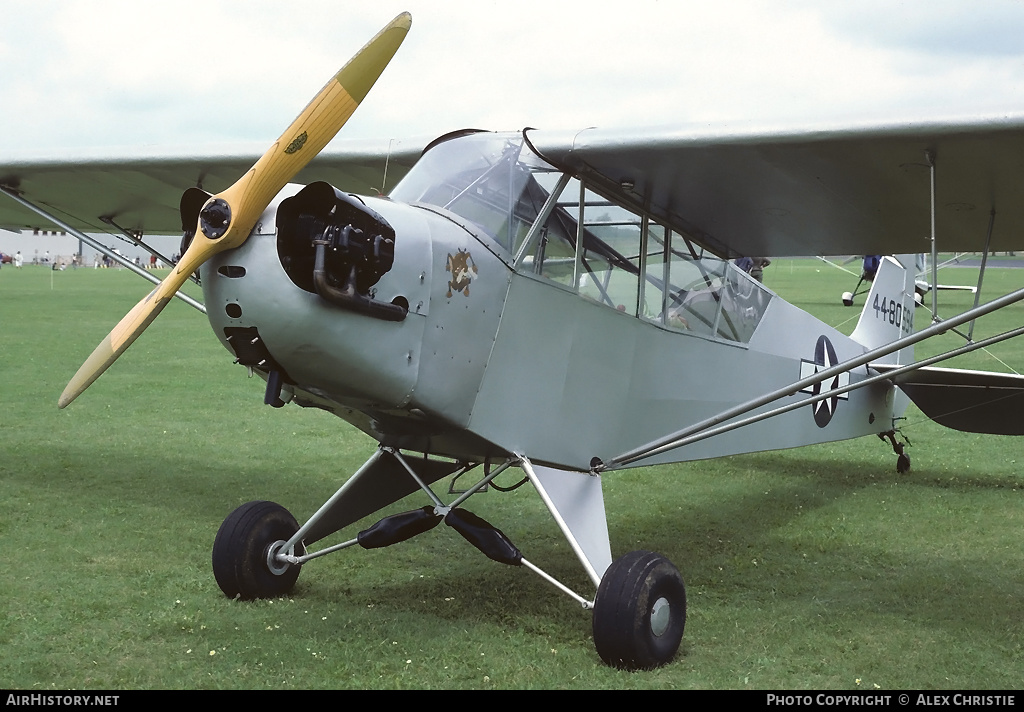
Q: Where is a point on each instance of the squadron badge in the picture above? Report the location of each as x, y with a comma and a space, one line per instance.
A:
463, 269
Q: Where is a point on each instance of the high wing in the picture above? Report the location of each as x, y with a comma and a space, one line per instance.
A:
814, 191
141, 190
736, 191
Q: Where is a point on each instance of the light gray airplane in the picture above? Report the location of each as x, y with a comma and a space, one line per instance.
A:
560, 303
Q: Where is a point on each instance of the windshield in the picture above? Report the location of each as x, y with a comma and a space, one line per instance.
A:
487, 179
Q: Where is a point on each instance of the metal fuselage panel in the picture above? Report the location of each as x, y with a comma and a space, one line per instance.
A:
467, 300
570, 380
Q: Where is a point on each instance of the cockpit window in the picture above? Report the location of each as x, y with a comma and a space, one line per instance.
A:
556, 228
608, 267
487, 179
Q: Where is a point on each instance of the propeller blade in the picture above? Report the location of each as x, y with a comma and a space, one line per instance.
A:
228, 217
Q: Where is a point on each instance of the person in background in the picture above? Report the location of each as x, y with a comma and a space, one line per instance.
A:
757, 269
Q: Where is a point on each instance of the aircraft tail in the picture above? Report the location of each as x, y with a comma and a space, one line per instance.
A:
889, 310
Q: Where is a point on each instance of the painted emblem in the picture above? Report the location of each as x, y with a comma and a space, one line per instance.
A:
824, 358
463, 270
297, 143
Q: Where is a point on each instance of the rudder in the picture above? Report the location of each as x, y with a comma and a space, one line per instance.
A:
888, 312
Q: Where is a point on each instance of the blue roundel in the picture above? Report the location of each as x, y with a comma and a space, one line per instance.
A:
824, 358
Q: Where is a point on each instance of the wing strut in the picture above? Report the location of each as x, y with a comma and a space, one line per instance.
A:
98, 246
696, 431
930, 157
981, 272
136, 239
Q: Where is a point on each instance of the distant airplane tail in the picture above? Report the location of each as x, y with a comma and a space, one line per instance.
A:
889, 309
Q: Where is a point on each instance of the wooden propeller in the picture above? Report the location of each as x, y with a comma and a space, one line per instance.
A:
228, 217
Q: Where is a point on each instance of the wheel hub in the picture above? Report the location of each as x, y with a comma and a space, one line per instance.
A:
661, 616
276, 566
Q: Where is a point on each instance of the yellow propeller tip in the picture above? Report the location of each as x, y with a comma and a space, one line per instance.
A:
363, 70
75, 388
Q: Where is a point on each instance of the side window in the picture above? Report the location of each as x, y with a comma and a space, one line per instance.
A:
605, 268
610, 259
549, 249
744, 301
695, 293
654, 294
711, 297
611, 256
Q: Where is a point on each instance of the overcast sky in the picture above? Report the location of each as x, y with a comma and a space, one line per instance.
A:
104, 73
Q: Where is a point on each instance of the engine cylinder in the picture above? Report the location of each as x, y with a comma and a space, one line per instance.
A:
357, 244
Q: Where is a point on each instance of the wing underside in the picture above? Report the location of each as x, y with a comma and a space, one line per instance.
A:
814, 191
141, 190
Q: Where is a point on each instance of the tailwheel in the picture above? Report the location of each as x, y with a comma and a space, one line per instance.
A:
902, 459
639, 612
243, 552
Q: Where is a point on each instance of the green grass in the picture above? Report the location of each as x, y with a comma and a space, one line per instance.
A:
812, 568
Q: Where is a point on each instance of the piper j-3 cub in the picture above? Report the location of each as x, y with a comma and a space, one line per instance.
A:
560, 303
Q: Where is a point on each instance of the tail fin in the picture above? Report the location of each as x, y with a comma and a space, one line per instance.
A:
888, 311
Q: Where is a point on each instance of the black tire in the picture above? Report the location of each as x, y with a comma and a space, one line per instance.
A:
241, 547
639, 612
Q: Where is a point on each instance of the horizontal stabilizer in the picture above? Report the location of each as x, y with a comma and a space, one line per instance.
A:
924, 287
971, 401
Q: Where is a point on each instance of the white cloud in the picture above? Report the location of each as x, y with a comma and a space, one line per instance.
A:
186, 73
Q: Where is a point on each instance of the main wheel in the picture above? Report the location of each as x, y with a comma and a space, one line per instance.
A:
639, 612
242, 561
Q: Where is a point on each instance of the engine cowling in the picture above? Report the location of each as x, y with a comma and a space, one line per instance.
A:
332, 244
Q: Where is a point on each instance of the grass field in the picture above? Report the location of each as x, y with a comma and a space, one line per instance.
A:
812, 568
